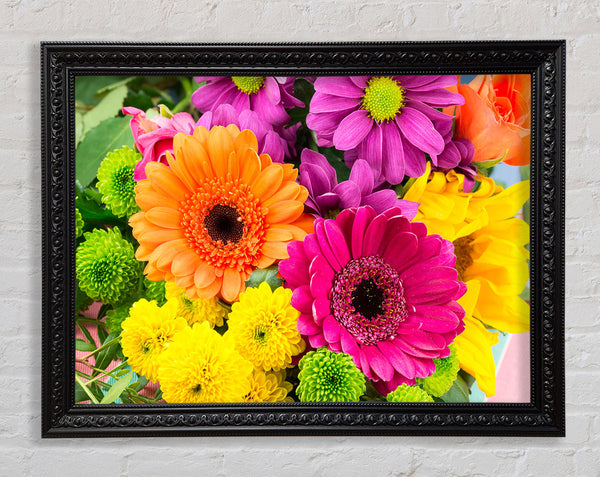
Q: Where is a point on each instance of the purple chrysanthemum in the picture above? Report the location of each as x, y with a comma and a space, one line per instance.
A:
269, 97
269, 140
391, 122
326, 197
457, 155
378, 288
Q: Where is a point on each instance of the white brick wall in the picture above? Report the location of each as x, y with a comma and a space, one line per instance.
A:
23, 24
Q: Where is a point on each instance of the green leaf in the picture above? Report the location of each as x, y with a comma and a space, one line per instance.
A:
109, 107
490, 163
459, 392
87, 335
139, 100
115, 391
79, 133
107, 355
81, 345
80, 394
268, 275
336, 159
141, 383
88, 87
118, 84
109, 135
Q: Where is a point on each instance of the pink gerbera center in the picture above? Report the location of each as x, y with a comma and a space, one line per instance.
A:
383, 98
368, 300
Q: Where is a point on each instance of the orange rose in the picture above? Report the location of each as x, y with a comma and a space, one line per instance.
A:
496, 117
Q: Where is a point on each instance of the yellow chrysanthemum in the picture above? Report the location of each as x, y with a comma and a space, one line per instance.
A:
263, 325
491, 258
268, 387
146, 334
195, 310
200, 365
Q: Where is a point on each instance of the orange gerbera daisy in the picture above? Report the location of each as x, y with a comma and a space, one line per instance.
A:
217, 212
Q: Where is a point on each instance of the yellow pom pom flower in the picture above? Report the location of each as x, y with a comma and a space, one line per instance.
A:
200, 365
147, 332
268, 387
195, 310
263, 326
491, 258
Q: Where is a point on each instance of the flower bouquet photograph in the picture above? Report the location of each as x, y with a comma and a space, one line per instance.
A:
302, 239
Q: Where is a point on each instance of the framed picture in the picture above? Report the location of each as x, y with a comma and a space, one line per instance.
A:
351, 238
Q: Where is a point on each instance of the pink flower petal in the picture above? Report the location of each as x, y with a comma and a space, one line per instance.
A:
437, 97
338, 86
437, 319
302, 299
328, 252
401, 248
325, 103
397, 358
306, 325
362, 175
378, 362
435, 292
392, 165
363, 217
419, 130
317, 341
331, 329
337, 242
274, 114
373, 235
320, 309
371, 149
272, 90
320, 285
352, 130
349, 345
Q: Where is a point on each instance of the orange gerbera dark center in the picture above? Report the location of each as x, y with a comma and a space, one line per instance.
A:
224, 224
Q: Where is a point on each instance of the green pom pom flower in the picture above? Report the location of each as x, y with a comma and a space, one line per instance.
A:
78, 223
115, 317
446, 370
406, 393
106, 266
155, 291
329, 377
116, 182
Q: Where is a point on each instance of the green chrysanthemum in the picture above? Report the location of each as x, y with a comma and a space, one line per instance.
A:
78, 223
116, 182
406, 393
115, 317
106, 266
329, 377
446, 370
155, 291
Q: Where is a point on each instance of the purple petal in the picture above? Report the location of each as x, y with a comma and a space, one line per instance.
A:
380, 200
449, 158
371, 149
352, 130
206, 96
324, 103
272, 147
327, 202
309, 156
408, 207
360, 81
419, 130
441, 121
338, 86
224, 115
410, 81
438, 98
415, 161
349, 194
439, 82
362, 175
272, 90
393, 153
274, 114
325, 123
317, 178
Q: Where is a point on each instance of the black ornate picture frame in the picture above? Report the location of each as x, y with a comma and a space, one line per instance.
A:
544, 415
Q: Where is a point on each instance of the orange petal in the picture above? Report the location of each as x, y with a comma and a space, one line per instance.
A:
284, 212
267, 182
143, 253
184, 282
220, 145
233, 131
155, 276
265, 161
306, 222
163, 255
265, 261
165, 181
245, 140
204, 275
201, 133
289, 172
232, 283
233, 165
146, 199
185, 263
277, 234
156, 237
296, 232
164, 217
249, 166
211, 290
193, 155
277, 250
180, 171
288, 191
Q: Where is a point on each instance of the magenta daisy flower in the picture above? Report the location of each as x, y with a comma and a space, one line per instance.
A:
389, 121
276, 144
326, 197
269, 97
378, 288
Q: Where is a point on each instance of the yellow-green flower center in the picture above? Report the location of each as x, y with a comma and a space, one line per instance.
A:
383, 99
249, 84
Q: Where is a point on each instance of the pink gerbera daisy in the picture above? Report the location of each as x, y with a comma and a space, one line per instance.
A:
378, 288
390, 121
269, 97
